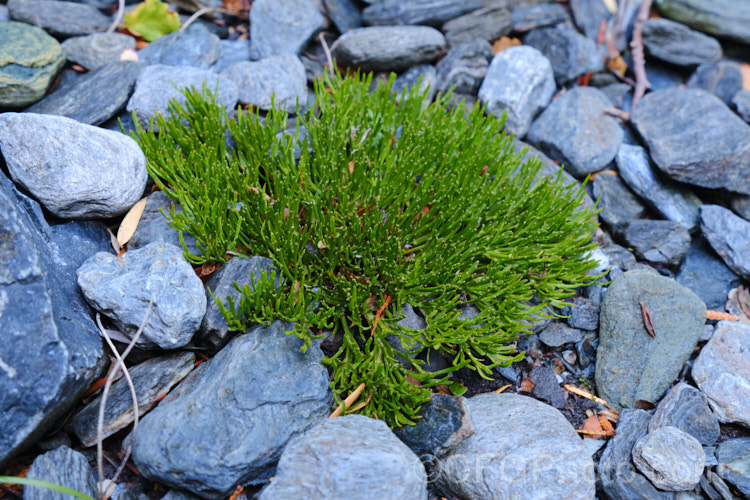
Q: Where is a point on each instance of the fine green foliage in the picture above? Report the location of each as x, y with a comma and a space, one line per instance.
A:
43, 484
388, 202
152, 20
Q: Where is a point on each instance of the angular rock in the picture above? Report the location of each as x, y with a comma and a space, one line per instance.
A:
489, 24
4, 13
74, 170
344, 14
97, 50
464, 66
694, 138
686, 408
232, 51
583, 314
195, 47
352, 456
520, 82
30, 61
497, 461
734, 463
538, 16
741, 104
659, 242
721, 78
228, 423
60, 19
677, 314
570, 53
722, 372
673, 460
63, 467
575, 131
559, 334
546, 387
279, 79
724, 18
279, 27
662, 76
677, 44
706, 274
617, 93
427, 12
388, 48
153, 228
424, 74
589, 15
729, 236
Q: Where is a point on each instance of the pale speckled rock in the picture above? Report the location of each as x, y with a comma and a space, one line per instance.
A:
64, 467
672, 459
686, 408
95, 50
283, 26
58, 18
425, 12
729, 236
281, 78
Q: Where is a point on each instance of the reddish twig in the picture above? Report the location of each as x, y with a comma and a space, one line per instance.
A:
639, 61
618, 113
647, 320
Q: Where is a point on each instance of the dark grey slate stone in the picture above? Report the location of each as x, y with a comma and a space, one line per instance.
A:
546, 386
74, 170
659, 242
678, 316
195, 46
724, 18
694, 138
575, 131
228, 422
520, 82
729, 236
232, 51
123, 123
63, 467
589, 15
348, 457
741, 205
153, 228
734, 463
741, 104
511, 434
570, 53
662, 76
549, 167
280, 27
538, 16
559, 334
583, 314
677, 44
617, 93
344, 14
60, 19
618, 204
427, 12
97, 50
388, 48
179, 495
685, 408
122, 288
721, 78
4, 13
279, 79
706, 274
424, 74
31, 59
671, 459
489, 24
464, 66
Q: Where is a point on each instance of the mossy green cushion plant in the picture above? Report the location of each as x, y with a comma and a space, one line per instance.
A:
388, 203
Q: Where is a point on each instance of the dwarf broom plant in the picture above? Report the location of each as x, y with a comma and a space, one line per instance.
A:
371, 203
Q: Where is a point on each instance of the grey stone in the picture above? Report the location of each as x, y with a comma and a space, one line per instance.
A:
659, 242
512, 435
425, 74
232, 51
677, 44
123, 123
74, 170
153, 228
520, 82
672, 459
489, 24
388, 48
559, 334
741, 104
279, 27
729, 236
464, 66
721, 78
570, 53
228, 423
672, 201
179, 495
575, 131
677, 314
706, 274
344, 14
546, 387
348, 457
60, 19
661, 76
621, 260
589, 15
427, 12
617, 203
30, 61
195, 47
278, 79
95, 97
694, 138
722, 372
98, 49
584, 314
686, 408
122, 288
4, 13
538, 16
733, 458
724, 18
616, 92
63, 467
741, 205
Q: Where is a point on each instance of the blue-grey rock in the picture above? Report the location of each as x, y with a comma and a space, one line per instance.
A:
195, 46
153, 228
617, 203
520, 82
575, 131
63, 467
232, 51
724, 18
617, 93
512, 433
589, 15
348, 457
677, 315
489, 24
98, 49
122, 288
74, 170
721, 78
705, 273
621, 260
228, 422
559, 334
424, 74
546, 386
570, 53
734, 463
694, 138
729, 236
538, 16
672, 459
662, 76
279, 27
686, 408
58, 18
179, 495
123, 123
722, 372
677, 44
464, 66
659, 242
388, 48
741, 104
549, 168
278, 79
344, 14
4, 13
30, 61
427, 12
583, 314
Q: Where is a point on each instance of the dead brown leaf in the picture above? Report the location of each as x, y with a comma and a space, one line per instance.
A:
130, 222
505, 43
527, 385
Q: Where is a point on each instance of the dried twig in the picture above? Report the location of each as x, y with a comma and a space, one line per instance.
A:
327, 51
380, 313
118, 17
647, 322
596, 433
348, 401
586, 394
198, 13
719, 316
618, 113
639, 62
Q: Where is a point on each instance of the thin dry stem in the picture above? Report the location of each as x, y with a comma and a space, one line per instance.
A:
639, 61
327, 51
198, 13
348, 401
118, 17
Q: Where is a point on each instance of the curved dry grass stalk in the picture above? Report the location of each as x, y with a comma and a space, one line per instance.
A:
118, 16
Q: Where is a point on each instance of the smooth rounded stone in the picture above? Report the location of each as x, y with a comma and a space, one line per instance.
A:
659, 242
672, 201
547, 387
671, 459
158, 84
589, 15
280, 27
677, 44
122, 288
721, 78
724, 18
559, 334
228, 422
583, 314
706, 274
538, 16
734, 463
424, 74
63, 467
741, 104
722, 372
230, 52
95, 97
677, 315
686, 408
513, 435
575, 131
520, 82
152, 380
729, 235
29, 62
195, 46
348, 457
426, 12
570, 53
60, 19
74, 170
153, 228
344, 14
279, 79
694, 138
489, 24
98, 49
388, 48
464, 66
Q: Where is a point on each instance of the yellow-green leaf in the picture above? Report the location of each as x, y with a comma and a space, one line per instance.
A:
152, 19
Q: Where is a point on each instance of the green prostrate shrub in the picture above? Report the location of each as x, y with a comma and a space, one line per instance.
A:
369, 204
